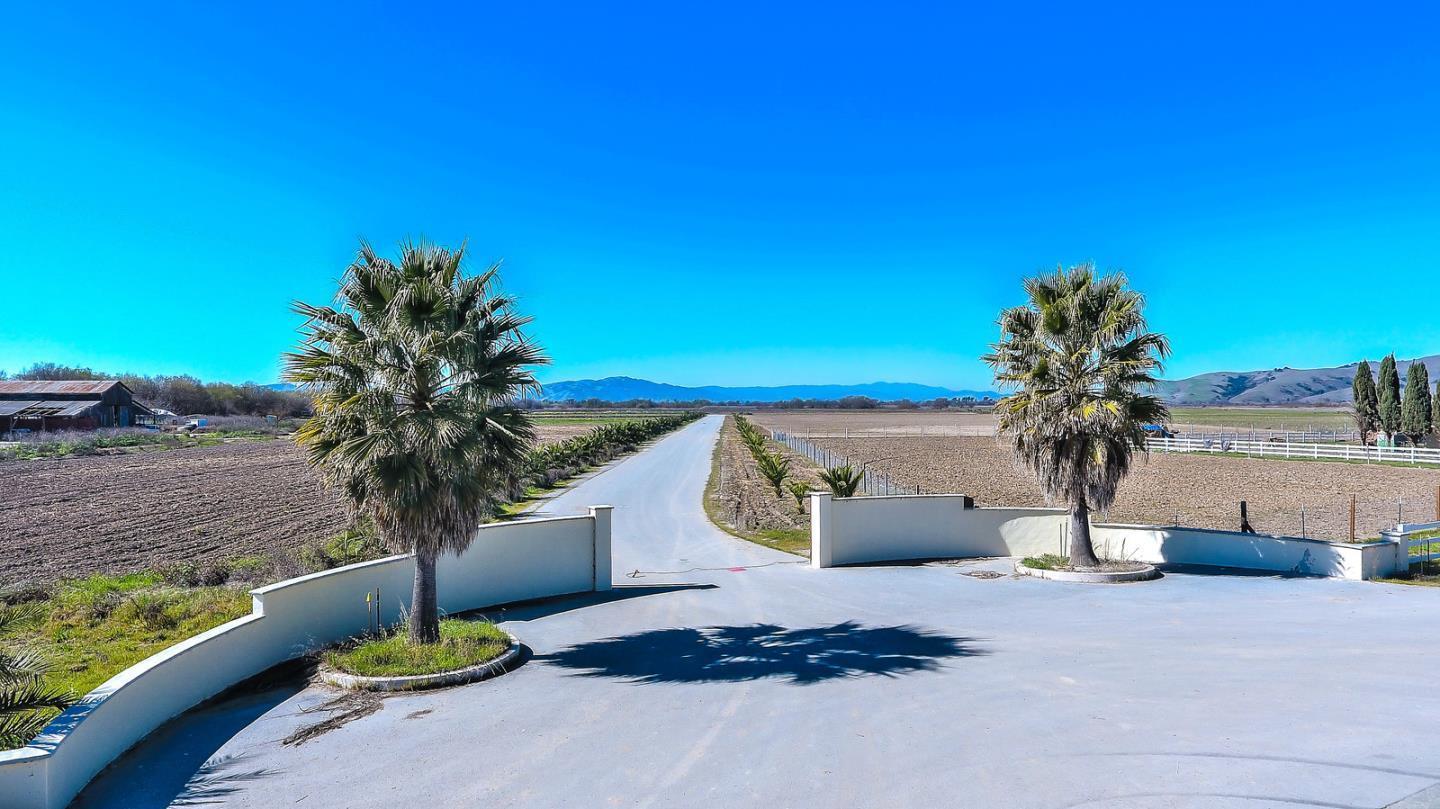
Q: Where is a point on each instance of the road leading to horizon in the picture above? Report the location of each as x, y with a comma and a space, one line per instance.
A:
721, 673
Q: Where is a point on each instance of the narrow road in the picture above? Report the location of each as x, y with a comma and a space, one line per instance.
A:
722, 673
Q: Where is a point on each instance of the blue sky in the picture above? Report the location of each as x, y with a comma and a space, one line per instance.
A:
728, 194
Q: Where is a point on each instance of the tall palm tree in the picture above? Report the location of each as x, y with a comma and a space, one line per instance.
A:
1081, 364
415, 372
26, 702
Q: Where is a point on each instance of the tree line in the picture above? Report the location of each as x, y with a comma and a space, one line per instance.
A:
185, 394
1380, 406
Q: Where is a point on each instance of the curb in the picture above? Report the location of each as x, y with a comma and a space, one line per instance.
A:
417, 682
1096, 577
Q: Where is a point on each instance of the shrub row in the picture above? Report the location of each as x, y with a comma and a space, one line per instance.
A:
842, 481
551, 463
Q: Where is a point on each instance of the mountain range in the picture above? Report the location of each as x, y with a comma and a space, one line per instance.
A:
1277, 386
622, 388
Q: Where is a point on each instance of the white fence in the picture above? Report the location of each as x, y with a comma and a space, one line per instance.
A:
1287, 449
511, 561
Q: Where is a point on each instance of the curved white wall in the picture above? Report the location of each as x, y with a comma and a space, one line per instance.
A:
857, 530
507, 562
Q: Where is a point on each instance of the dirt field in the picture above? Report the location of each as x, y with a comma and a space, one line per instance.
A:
1193, 490
118, 513
125, 512
855, 423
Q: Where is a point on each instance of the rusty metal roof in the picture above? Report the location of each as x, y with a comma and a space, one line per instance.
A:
50, 409
9, 408
26, 387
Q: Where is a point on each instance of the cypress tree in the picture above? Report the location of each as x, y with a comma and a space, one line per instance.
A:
1435, 410
1415, 412
1366, 407
1389, 398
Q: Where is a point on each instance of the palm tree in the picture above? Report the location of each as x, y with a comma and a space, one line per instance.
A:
26, 702
1080, 362
774, 468
842, 481
415, 373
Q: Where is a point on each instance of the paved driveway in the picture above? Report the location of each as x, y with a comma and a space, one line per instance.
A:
723, 674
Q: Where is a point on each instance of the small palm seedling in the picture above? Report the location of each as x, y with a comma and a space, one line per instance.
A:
843, 481
26, 703
798, 490
773, 468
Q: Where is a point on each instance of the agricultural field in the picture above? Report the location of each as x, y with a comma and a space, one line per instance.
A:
1194, 490
552, 426
122, 510
1308, 419
842, 423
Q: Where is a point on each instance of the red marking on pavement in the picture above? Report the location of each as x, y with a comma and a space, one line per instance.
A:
736, 569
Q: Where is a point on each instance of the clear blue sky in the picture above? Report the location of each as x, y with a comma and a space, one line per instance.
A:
727, 193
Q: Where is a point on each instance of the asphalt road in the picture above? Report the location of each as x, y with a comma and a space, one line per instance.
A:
720, 673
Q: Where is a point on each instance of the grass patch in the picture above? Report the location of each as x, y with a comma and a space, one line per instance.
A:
1263, 417
462, 644
790, 540
98, 626
68, 443
1046, 561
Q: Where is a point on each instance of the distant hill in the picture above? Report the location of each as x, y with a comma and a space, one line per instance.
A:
622, 388
1278, 386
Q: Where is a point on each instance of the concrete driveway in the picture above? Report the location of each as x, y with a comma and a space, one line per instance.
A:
720, 673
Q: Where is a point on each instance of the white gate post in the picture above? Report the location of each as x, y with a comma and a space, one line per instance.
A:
601, 516
821, 532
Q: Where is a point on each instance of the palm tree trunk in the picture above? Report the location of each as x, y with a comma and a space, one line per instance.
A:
424, 609
1082, 553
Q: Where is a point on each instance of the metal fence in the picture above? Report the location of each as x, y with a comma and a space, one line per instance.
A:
1424, 548
1291, 449
872, 482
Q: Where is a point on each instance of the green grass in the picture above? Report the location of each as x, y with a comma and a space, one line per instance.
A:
1262, 418
1046, 561
462, 644
789, 540
101, 625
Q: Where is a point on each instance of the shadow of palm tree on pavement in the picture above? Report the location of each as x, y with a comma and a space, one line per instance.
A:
721, 654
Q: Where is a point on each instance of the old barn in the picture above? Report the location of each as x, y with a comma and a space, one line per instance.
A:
68, 405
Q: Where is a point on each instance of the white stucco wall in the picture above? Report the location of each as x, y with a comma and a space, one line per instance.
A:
507, 562
857, 530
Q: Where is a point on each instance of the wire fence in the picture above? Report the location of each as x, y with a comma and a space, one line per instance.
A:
872, 482
1331, 517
